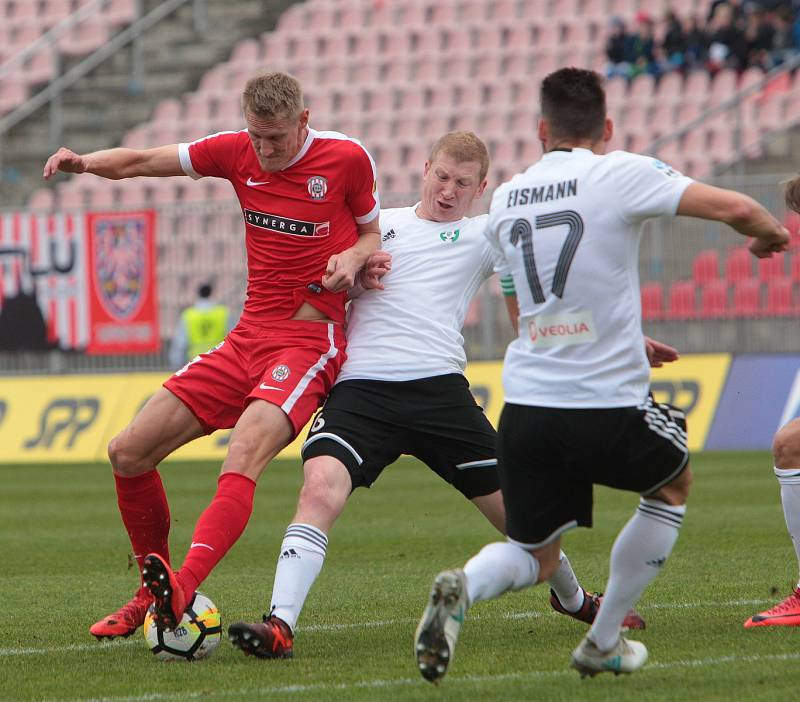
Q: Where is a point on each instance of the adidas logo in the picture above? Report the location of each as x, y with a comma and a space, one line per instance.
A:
290, 553
658, 562
389, 235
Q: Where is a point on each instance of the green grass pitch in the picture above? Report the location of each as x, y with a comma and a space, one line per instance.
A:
65, 564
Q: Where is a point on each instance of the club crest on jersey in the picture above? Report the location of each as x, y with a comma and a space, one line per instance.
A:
280, 373
450, 237
317, 187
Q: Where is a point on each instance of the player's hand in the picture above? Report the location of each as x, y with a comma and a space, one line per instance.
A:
764, 248
66, 161
377, 266
340, 273
659, 353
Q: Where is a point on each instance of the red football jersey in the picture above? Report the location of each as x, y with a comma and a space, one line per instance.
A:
295, 219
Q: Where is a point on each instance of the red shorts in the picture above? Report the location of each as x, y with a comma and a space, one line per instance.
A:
290, 363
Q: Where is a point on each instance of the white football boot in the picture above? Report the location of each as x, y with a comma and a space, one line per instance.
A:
437, 633
626, 657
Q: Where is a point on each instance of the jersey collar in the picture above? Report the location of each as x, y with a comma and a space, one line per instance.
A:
561, 153
306, 146
430, 221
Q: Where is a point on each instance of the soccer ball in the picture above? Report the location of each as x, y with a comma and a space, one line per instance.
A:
196, 637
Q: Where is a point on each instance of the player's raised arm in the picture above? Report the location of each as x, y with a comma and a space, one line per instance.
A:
117, 163
739, 211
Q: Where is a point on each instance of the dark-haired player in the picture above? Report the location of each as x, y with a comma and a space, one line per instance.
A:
576, 388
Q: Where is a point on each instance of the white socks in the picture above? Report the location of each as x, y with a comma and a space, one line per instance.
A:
789, 479
498, 568
641, 548
300, 562
566, 586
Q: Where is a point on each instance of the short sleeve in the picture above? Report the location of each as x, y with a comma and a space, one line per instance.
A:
501, 266
362, 197
214, 155
646, 187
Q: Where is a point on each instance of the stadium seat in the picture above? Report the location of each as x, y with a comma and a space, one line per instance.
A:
739, 264
705, 267
746, 298
652, 301
780, 300
714, 299
795, 268
682, 300
772, 267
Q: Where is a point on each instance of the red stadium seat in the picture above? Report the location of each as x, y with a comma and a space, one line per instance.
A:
746, 298
705, 267
739, 264
772, 267
780, 300
714, 300
682, 300
795, 268
652, 301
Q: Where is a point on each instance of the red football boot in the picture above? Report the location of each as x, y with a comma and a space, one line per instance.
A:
786, 613
271, 639
170, 602
126, 619
588, 610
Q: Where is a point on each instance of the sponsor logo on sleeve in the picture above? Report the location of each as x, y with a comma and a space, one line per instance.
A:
666, 169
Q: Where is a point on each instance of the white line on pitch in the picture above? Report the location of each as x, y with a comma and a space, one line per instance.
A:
534, 614
405, 682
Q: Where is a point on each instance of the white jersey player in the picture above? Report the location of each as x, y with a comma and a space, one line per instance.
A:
576, 388
402, 390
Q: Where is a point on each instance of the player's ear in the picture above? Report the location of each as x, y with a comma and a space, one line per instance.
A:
304, 118
481, 188
543, 131
426, 169
608, 130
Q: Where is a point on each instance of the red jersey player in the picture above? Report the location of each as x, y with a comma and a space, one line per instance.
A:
310, 208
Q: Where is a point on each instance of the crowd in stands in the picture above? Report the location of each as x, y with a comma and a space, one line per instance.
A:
736, 34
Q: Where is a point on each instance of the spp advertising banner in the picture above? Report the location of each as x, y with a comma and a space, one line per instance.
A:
122, 291
78, 282
731, 403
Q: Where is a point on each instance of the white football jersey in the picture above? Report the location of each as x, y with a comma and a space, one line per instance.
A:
412, 329
568, 230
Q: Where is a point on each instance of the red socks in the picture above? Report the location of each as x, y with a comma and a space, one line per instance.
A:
145, 513
218, 529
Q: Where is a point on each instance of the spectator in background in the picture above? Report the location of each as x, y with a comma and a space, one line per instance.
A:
674, 44
200, 328
728, 48
783, 43
759, 35
619, 49
643, 44
697, 41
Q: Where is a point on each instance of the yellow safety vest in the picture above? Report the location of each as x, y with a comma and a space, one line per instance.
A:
204, 328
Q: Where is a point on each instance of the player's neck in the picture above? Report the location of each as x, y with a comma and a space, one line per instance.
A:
597, 147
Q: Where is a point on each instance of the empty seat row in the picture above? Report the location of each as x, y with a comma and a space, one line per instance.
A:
720, 300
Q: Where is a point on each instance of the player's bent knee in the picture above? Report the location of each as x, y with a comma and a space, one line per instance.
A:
126, 459
676, 493
786, 445
326, 485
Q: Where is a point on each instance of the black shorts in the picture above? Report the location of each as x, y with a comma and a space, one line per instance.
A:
368, 424
549, 459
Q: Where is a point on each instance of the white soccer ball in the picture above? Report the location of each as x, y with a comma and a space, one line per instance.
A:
196, 637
